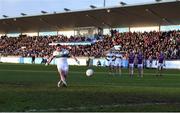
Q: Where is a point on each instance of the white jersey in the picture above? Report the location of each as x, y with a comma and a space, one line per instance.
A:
118, 59
110, 58
61, 59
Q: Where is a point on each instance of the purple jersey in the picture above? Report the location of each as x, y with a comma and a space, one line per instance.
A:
161, 58
131, 58
140, 58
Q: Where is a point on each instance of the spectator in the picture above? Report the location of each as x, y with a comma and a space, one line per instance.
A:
148, 42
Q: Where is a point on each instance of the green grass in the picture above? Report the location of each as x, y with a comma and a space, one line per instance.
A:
26, 87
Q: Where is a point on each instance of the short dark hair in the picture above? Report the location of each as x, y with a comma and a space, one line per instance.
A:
58, 45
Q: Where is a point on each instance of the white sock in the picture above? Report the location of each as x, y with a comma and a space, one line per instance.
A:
64, 82
59, 83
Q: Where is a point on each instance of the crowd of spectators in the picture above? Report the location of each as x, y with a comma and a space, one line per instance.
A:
151, 42
148, 42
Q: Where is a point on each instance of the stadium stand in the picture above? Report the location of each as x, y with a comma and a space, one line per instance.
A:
149, 42
153, 14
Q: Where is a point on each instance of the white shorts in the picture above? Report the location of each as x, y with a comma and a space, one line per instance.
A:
63, 67
140, 65
117, 64
110, 63
160, 65
131, 65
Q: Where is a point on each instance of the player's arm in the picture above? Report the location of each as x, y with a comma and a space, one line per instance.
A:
75, 59
50, 59
156, 60
107, 58
105, 53
164, 61
114, 58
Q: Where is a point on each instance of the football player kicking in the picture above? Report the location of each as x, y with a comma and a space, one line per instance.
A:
61, 54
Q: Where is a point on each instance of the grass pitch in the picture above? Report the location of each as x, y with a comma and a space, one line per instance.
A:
26, 87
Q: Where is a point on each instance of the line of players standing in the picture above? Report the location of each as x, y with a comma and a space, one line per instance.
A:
114, 62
